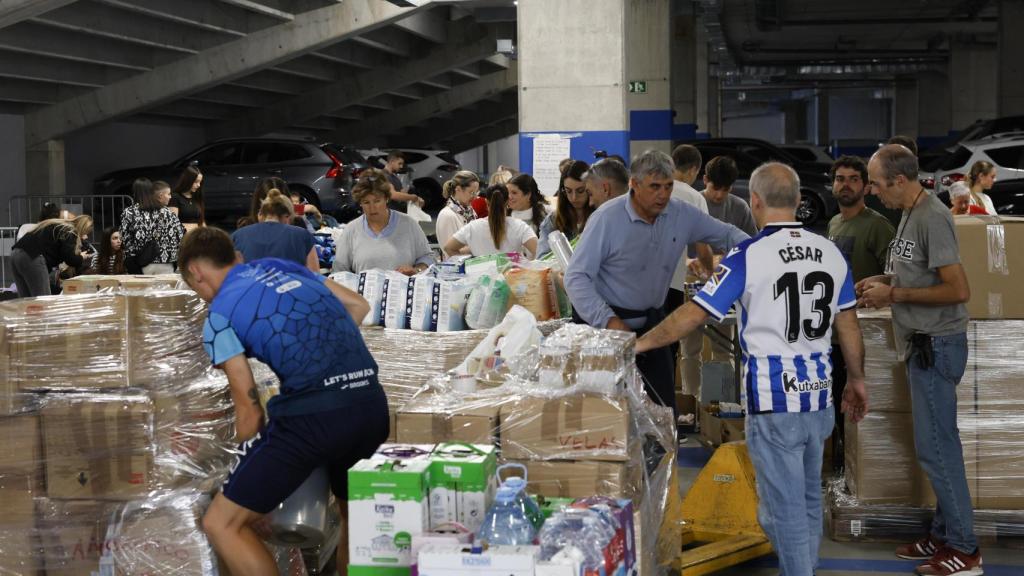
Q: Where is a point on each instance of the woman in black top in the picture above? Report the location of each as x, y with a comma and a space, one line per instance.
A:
51, 243
150, 232
187, 199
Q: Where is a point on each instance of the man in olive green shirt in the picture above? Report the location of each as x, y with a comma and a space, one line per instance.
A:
863, 236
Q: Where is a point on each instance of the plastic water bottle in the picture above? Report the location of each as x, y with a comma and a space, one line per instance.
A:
518, 483
579, 529
529, 507
505, 523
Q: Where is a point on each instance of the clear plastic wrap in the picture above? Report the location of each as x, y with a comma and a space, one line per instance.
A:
573, 442
850, 520
110, 340
880, 457
112, 406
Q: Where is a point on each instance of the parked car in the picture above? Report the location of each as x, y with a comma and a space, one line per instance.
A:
817, 204
232, 168
808, 153
993, 127
425, 170
1005, 153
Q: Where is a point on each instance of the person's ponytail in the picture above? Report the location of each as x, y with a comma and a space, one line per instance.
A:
448, 189
496, 205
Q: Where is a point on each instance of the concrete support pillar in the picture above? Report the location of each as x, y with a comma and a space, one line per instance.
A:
796, 120
689, 63
973, 69
1010, 77
933, 107
648, 40
574, 76
904, 107
45, 172
821, 108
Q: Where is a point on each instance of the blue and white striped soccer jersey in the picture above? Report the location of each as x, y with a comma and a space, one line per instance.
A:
789, 283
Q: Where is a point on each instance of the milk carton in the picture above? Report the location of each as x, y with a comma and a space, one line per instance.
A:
371, 287
421, 305
463, 482
393, 301
387, 504
347, 279
450, 299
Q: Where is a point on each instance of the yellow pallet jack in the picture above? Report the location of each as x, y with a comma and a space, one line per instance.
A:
720, 513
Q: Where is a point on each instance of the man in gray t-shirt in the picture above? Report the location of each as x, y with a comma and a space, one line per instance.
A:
719, 176
926, 287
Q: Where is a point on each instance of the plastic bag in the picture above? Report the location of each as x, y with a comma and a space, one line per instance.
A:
513, 336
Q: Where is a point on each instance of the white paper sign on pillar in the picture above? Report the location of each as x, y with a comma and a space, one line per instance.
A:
548, 151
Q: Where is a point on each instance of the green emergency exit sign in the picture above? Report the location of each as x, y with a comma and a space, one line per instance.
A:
638, 87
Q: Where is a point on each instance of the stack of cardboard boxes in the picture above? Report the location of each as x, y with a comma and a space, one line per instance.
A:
107, 400
881, 464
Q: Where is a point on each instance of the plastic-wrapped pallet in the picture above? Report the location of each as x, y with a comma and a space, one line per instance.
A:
573, 442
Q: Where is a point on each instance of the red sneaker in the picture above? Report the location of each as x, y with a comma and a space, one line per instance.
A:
923, 549
950, 562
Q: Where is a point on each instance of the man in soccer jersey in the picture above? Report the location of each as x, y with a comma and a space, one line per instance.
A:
792, 286
331, 411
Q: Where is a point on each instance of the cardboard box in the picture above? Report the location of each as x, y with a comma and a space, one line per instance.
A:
58, 342
582, 478
20, 553
403, 452
164, 540
1000, 467
431, 538
387, 504
392, 426
165, 337
457, 560
576, 427
424, 421
193, 433
710, 427
733, 430
463, 482
880, 461
995, 266
22, 445
73, 535
90, 284
98, 447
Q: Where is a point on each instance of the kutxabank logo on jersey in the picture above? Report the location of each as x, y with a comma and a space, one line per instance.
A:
791, 384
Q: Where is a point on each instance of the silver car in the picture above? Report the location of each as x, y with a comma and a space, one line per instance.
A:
232, 169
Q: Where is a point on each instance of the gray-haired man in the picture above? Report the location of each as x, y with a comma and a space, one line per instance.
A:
623, 264
606, 179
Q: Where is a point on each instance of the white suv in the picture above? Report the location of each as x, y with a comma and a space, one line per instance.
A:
427, 171
1004, 151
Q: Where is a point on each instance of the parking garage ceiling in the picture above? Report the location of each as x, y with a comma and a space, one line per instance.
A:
408, 72
327, 68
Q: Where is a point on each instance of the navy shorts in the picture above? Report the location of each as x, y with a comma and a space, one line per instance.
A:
275, 463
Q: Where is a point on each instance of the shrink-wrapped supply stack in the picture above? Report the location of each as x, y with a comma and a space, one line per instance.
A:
885, 494
567, 408
115, 429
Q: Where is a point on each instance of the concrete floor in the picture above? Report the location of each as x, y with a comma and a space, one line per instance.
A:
842, 558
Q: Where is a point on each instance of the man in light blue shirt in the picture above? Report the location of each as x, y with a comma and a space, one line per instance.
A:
622, 267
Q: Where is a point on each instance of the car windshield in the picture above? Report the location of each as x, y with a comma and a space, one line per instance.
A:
448, 157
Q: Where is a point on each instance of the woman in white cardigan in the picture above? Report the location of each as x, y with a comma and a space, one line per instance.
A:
458, 211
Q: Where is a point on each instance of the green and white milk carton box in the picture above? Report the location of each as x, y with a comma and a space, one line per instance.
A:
463, 482
387, 504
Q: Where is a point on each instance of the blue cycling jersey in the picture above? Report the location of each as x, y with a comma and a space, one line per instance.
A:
282, 314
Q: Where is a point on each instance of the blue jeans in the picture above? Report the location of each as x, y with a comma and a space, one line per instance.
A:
937, 439
786, 450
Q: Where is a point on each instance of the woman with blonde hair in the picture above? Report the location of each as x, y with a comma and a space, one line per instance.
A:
459, 193
52, 243
273, 236
381, 238
981, 177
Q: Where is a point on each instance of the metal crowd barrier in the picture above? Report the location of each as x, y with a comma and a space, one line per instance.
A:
7, 238
105, 209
